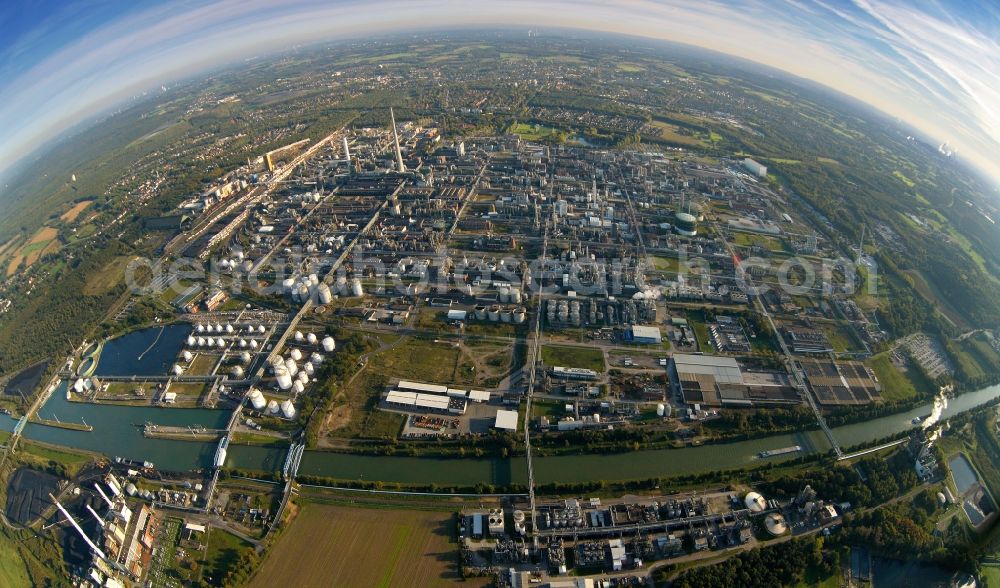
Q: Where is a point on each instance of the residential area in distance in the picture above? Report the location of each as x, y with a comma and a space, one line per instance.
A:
380, 313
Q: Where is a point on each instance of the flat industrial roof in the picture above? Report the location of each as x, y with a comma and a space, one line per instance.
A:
645, 332
507, 420
725, 370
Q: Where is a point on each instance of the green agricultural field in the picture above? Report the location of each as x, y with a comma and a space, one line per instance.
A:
364, 547
896, 385
578, 357
426, 361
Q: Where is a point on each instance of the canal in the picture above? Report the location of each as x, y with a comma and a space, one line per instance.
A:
118, 432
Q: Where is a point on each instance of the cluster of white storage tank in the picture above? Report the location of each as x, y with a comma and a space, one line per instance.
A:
312, 288
259, 403
504, 314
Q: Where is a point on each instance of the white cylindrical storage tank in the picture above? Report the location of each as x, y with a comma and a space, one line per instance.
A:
515, 296
261, 329
494, 314
316, 359
520, 315
178, 370
313, 279
298, 387
243, 342
291, 366
329, 344
253, 344
210, 342
324, 294
296, 355
303, 377
276, 361
356, 288
191, 341
200, 328
284, 379
220, 343
218, 327
272, 407
661, 410
288, 409
229, 329
504, 294
237, 372
251, 329
245, 357
311, 338
308, 368
257, 400
288, 284
505, 316
188, 356
298, 336
341, 285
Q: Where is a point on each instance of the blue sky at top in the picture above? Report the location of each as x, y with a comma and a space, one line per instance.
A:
934, 64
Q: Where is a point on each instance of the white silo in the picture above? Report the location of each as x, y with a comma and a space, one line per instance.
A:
218, 327
188, 356
515, 296
261, 329
313, 280
329, 344
243, 342
257, 399
291, 366
298, 336
229, 329
309, 368
296, 355
201, 342
191, 341
356, 288
661, 410
324, 294
272, 407
288, 284
210, 342
504, 294
245, 357
284, 379
505, 316
288, 409
303, 377
220, 343
178, 370
250, 329
520, 315
298, 386
253, 344
311, 338
237, 372
200, 328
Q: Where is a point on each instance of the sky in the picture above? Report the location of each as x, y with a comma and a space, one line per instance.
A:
933, 64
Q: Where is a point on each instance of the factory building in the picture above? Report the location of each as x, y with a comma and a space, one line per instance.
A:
713, 381
755, 168
645, 335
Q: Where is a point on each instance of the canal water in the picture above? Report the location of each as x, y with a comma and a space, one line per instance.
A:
116, 433
149, 352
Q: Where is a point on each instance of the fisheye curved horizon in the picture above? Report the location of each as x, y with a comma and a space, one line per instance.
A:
935, 66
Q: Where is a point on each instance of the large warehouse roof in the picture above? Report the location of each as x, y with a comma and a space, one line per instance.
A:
506, 420
725, 370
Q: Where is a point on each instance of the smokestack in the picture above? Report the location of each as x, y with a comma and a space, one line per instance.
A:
347, 151
399, 154
100, 521
76, 526
104, 496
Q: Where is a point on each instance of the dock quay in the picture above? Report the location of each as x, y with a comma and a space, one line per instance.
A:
187, 433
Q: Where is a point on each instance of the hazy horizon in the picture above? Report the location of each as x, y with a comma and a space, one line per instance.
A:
933, 65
